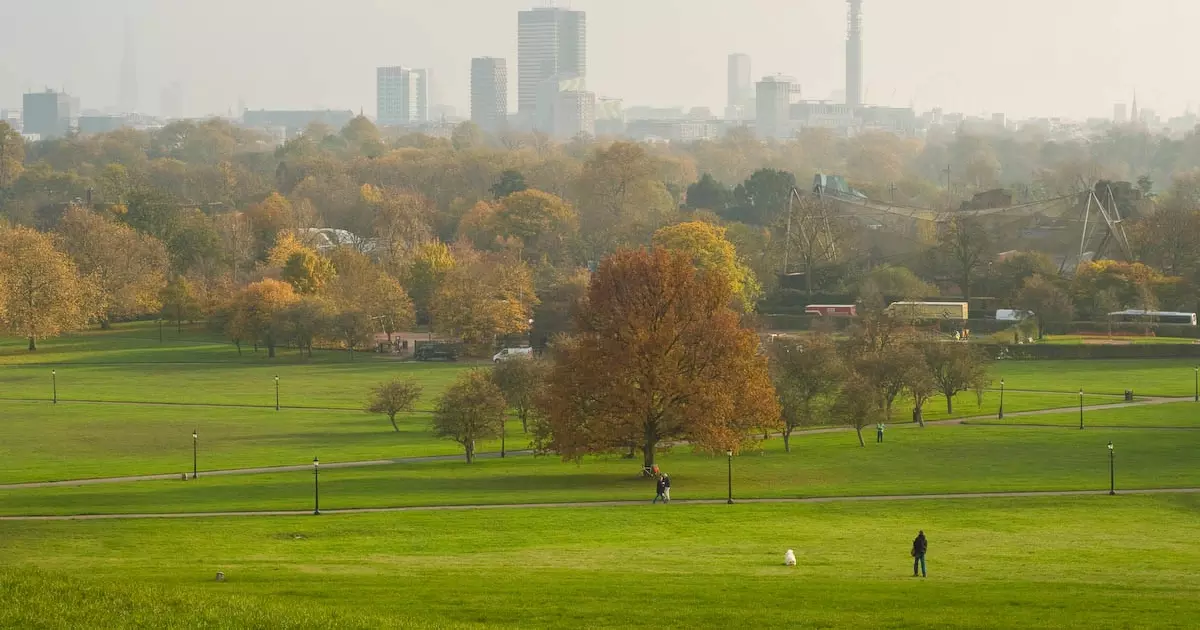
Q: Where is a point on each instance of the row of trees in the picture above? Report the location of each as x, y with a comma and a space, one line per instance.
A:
660, 355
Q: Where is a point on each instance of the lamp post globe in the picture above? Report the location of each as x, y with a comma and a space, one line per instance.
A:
1112, 479
729, 459
316, 486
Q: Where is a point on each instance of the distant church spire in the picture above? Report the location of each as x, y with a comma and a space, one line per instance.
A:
1133, 115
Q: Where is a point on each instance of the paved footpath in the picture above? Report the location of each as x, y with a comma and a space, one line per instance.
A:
608, 504
445, 458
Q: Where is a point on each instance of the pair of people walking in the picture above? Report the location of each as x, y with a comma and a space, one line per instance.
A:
663, 489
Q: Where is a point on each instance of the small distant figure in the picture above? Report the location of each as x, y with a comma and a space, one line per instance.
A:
879, 432
660, 489
655, 471
920, 546
666, 488
789, 558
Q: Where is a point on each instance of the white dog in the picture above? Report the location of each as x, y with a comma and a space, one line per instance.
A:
789, 558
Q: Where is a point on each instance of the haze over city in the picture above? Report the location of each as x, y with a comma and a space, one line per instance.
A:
1072, 58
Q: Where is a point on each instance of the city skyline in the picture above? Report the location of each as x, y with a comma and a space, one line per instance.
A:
667, 56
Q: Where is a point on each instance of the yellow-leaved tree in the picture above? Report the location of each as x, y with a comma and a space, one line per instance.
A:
710, 251
44, 295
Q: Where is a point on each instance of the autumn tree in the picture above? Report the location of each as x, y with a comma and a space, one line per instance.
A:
521, 381
353, 328
12, 155
1047, 301
393, 397
361, 285
304, 321
807, 373
472, 409
658, 355
125, 269
43, 294
710, 251
254, 313
484, 296
425, 274
956, 367
539, 223
621, 198
180, 302
401, 221
510, 182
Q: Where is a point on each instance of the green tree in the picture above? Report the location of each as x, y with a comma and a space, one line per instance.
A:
425, 274
308, 272
1048, 302
709, 194
393, 397
964, 246
354, 328
254, 315
510, 182
807, 373
521, 381
763, 198
472, 409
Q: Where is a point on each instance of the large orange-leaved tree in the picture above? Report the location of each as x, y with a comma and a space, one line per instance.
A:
658, 356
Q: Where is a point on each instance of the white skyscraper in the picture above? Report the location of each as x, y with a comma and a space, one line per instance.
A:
551, 42
403, 96
489, 93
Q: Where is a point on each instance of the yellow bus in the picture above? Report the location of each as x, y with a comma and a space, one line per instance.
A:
925, 311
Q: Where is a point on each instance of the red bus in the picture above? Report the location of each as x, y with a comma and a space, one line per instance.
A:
831, 310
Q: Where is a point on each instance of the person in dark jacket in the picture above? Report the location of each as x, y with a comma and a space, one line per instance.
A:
920, 546
660, 488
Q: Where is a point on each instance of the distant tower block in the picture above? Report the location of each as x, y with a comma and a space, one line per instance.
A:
854, 56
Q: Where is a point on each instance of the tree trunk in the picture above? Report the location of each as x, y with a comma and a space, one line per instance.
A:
920, 413
469, 448
239, 347
861, 442
270, 349
524, 415
648, 448
949, 403
787, 439
32, 344
392, 417
105, 324
502, 436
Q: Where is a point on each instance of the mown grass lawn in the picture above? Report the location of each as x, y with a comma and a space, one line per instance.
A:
942, 459
1146, 377
1180, 415
1084, 562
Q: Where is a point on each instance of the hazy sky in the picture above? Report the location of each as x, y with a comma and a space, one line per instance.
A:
1021, 57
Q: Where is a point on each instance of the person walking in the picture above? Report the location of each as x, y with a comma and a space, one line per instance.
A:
666, 488
920, 546
660, 488
879, 432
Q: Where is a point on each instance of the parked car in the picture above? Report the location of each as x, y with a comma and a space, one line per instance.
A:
512, 353
433, 351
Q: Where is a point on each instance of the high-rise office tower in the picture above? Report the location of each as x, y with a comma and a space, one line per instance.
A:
551, 42
49, 114
741, 85
854, 56
402, 96
774, 104
489, 93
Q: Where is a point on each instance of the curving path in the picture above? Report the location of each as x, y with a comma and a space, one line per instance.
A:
977, 420
598, 504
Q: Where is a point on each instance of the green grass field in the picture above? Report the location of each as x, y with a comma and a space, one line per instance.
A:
1095, 562
946, 459
1088, 562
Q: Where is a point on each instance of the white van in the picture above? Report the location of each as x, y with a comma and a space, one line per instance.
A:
512, 353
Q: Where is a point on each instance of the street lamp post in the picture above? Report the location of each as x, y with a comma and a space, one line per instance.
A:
1112, 477
54, 384
729, 458
276, 392
1001, 414
1080, 408
316, 486
1197, 397
195, 450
